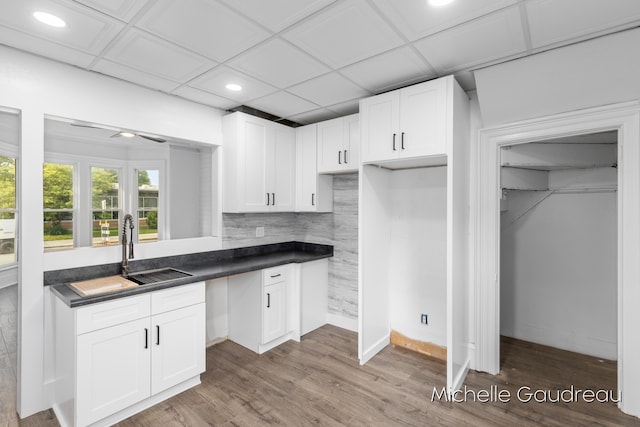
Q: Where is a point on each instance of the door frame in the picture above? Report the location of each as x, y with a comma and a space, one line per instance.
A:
623, 117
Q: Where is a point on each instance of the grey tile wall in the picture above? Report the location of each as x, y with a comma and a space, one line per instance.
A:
339, 228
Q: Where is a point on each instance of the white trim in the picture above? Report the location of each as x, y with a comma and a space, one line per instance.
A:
368, 353
342, 322
625, 118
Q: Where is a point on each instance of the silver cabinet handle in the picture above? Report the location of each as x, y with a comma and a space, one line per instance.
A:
267, 199
339, 158
394, 142
345, 157
313, 199
402, 140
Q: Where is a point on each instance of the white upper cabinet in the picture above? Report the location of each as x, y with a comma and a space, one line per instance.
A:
407, 123
339, 145
259, 165
314, 193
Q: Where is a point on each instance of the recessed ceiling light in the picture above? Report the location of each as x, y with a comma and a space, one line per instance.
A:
234, 87
439, 2
49, 19
127, 134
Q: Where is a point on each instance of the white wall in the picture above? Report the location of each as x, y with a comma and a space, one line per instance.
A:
417, 265
593, 73
559, 274
39, 87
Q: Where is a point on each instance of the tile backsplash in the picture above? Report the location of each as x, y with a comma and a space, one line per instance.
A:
339, 228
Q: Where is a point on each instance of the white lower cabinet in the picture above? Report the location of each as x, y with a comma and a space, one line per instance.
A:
274, 311
118, 357
113, 370
259, 317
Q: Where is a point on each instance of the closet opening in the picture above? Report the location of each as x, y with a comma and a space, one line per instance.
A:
559, 262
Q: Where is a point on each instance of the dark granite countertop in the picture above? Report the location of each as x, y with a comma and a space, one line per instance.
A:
202, 266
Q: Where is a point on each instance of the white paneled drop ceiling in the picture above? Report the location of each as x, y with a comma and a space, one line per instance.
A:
301, 60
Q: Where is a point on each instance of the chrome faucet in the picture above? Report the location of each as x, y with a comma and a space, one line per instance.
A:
125, 262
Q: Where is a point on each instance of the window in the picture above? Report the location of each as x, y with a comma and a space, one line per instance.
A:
7, 210
58, 197
148, 190
105, 202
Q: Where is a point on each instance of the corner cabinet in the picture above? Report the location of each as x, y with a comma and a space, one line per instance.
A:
259, 165
260, 307
118, 357
407, 123
339, 145
314, 193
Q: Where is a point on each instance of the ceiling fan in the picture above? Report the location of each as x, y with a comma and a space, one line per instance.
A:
121, 133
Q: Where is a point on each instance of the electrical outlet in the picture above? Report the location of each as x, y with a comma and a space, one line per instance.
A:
424, 319
259, 231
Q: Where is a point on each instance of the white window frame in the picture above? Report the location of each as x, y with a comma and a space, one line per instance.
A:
10, 150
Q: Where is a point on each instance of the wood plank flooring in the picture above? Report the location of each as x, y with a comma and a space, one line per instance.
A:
319, 382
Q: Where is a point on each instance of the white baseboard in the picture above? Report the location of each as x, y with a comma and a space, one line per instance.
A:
342, 322
375, 349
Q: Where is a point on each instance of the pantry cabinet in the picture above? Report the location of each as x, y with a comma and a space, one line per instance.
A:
314, 193
339, 145
113, 357
406, 123
259, 165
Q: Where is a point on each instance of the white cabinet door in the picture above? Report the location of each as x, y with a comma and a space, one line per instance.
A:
274, 311
255, 141
423, 120
379, 127
178, 346
113, 369
306, 175
330, 145
282, 169
351, 143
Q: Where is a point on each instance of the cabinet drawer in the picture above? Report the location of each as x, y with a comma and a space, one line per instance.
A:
274, 275
110, 313
178, 297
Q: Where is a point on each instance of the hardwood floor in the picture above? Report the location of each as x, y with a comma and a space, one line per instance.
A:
319, 382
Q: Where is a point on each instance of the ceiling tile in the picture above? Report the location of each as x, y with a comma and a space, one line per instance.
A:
417, 19
486, 39
328, 90
277, 14
206, 98
345, 108
388, 70
215, 81
282, 104
129, 74
344, 34
556, 21
152, 55
121, 9
86, 30
45, 48
278, 63
314, 116
204, 26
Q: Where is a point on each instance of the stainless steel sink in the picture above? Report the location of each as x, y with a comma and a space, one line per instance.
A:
157, 276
